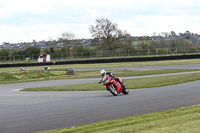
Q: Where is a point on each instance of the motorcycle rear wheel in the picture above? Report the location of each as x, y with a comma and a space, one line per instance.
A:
113, 90
125, 90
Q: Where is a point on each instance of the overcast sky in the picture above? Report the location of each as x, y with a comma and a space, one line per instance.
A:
25, 20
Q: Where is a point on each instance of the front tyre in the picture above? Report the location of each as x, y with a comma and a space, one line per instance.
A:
124, 90
113, 90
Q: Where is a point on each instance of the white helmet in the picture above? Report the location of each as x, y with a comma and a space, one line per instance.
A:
103, 72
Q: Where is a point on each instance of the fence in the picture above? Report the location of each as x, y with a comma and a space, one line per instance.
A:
102, 54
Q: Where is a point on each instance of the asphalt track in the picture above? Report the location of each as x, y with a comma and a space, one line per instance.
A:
27, 112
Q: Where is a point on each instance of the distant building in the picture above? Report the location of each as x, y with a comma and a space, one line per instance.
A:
46, 44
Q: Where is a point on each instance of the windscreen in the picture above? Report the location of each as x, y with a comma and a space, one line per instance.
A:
105, 78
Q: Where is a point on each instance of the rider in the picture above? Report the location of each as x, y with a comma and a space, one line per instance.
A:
103, 73
21, 69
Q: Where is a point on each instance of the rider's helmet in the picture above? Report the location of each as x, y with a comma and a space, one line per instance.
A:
103, 72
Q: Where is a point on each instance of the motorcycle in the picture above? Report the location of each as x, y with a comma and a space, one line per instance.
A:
114, 86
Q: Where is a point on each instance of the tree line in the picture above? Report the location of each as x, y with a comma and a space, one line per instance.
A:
107, 36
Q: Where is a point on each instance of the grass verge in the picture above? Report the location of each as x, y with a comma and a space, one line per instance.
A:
6, 78
182, 120
130, 83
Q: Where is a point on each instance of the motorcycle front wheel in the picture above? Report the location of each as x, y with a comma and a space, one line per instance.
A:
113, 90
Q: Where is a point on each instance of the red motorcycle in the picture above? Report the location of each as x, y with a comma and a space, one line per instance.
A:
114, 86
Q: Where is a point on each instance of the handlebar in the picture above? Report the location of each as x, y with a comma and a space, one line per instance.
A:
100, 81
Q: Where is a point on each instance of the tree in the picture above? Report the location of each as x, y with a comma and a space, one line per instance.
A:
67, 39
4, 53
46, 51
51, 43
127, 42
187, 35
162, 44
166, 35
144, 41
106, 34
32, 51
51, 50
18, 54
173, 34
83, 51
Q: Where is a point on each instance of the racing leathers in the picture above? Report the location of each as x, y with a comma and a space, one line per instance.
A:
112, 76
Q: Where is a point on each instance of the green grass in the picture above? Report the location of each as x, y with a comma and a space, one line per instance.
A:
130, 83
126, 73
6, 78
182, 120
104, 65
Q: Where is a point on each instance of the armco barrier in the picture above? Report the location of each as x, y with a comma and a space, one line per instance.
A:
26, 64
136, 59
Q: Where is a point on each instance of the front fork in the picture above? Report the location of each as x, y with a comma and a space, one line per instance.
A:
109, 86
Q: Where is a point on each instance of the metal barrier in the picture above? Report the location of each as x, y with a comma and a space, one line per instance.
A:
136, 59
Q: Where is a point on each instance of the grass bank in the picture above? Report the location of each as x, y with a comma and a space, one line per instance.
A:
104, 65
182, 120
7, 78
130, 83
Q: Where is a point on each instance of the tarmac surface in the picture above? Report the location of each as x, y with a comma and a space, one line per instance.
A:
28, 112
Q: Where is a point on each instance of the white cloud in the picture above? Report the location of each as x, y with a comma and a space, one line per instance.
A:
25, 20
17, 34
146, 25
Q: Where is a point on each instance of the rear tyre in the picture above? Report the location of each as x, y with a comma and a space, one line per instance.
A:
124, 90
113, 90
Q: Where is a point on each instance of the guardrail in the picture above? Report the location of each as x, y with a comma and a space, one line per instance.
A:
135, 59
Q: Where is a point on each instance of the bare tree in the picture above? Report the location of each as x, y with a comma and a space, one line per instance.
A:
173, 34
154, 34
166, 35
67, 39
106, 33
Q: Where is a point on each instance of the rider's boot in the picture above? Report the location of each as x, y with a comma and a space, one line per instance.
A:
123, 86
